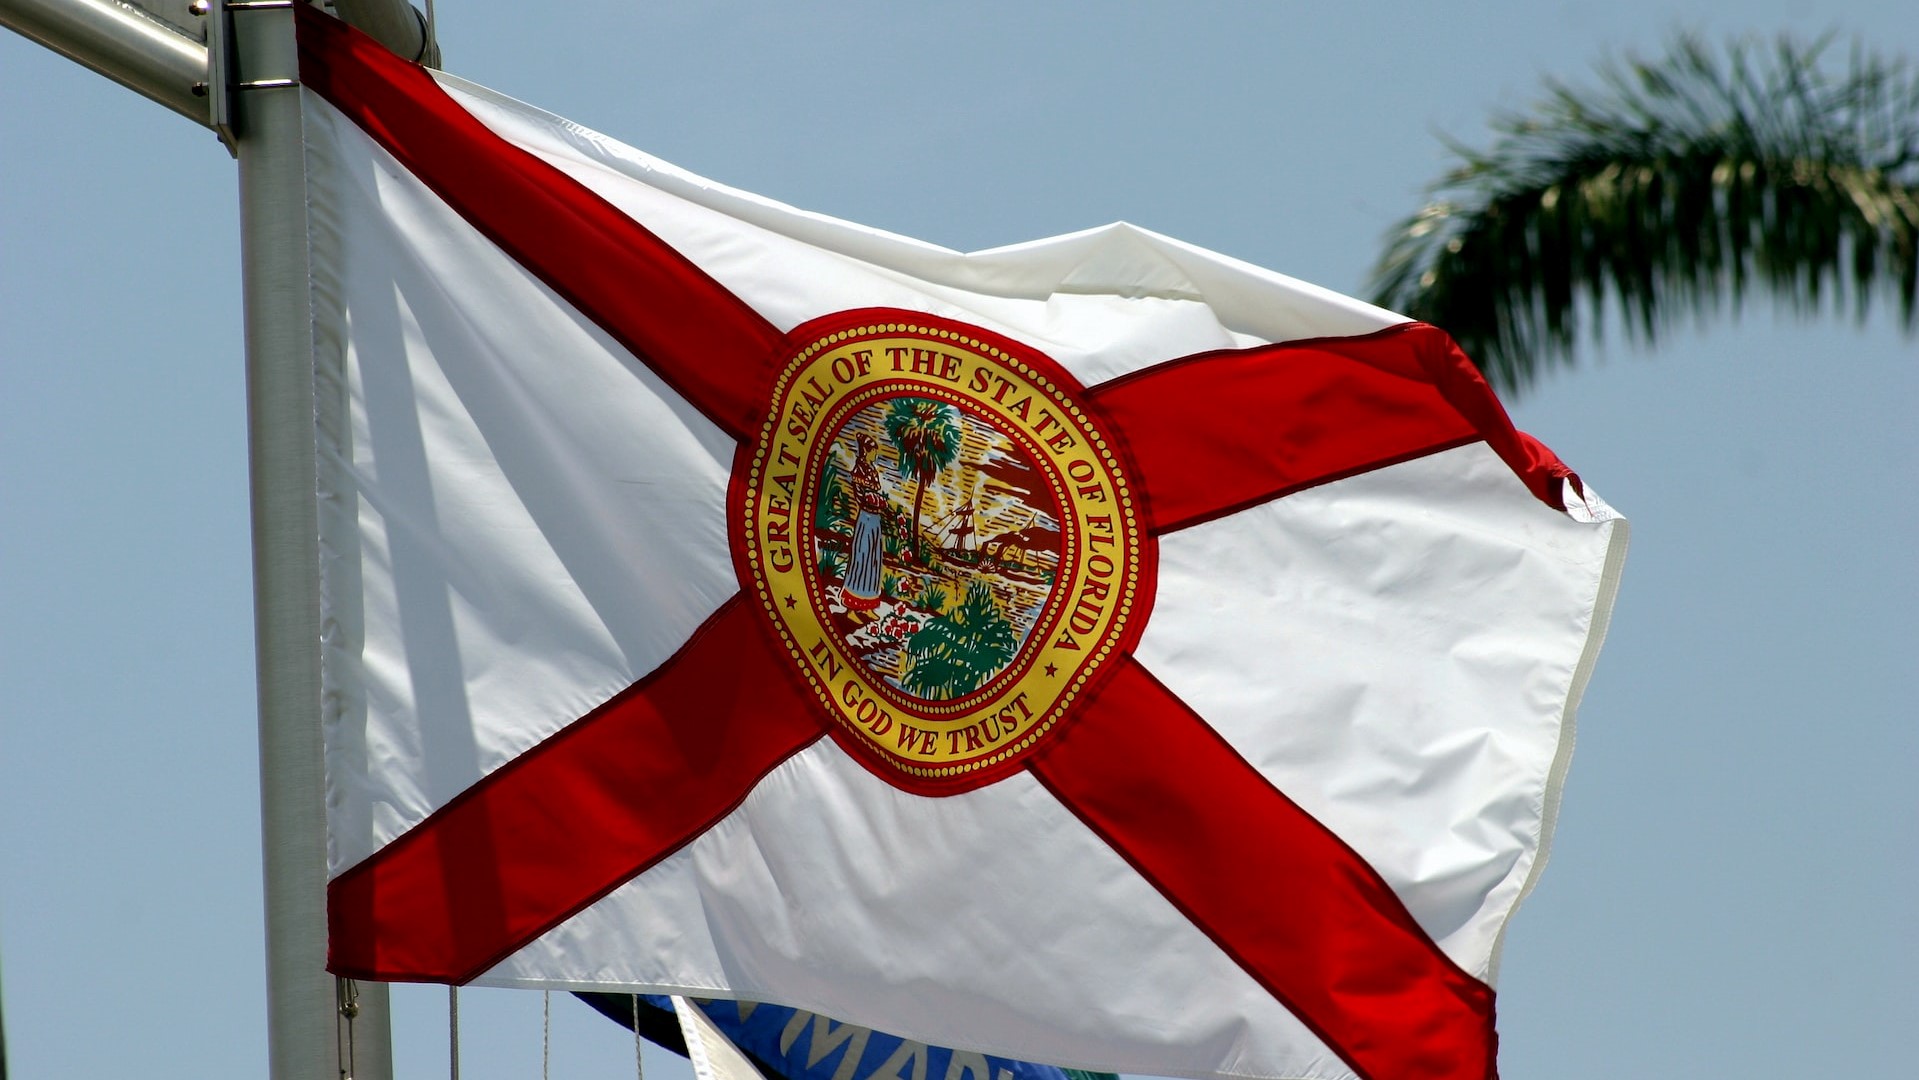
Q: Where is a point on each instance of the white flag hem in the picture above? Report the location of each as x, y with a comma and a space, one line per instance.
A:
1617, 542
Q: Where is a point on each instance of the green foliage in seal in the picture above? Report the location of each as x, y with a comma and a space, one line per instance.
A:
836, 509
956, 653
832, 564
933, 600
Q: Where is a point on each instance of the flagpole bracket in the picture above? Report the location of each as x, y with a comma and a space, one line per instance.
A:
238, 61
219, 72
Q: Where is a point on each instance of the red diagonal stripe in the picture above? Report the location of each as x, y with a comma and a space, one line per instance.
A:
1214, 433
572, 819
1299, 910
695, 334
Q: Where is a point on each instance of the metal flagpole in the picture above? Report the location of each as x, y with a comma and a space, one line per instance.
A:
302, 1002
304, 1007
273, 258
395, 24
137, 49
237, 72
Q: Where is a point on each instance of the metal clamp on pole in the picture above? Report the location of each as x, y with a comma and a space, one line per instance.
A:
238, 62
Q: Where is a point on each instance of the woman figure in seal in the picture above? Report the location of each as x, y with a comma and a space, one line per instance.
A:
861, 590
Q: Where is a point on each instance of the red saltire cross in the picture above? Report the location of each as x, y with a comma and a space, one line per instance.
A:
668, 757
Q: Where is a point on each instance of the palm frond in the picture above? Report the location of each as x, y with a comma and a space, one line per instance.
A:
1681, 184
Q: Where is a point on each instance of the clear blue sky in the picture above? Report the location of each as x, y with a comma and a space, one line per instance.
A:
1731, 886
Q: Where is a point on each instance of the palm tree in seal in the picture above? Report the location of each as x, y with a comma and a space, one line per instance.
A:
1684, 182
927, 435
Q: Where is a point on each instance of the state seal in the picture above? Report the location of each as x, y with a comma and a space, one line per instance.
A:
943, 540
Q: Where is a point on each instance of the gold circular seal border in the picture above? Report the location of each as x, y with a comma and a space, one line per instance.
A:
1127, 534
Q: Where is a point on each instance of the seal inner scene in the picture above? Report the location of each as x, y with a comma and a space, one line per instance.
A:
941, 537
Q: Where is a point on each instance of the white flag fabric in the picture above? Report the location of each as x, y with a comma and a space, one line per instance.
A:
1096, 651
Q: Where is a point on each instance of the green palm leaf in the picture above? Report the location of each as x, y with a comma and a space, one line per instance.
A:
1680, 185
927, 435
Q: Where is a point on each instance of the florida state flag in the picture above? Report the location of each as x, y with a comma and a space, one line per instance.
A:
1096, 651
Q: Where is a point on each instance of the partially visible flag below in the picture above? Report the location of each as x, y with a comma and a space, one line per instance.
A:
1095, 651
792, 1044
713, 1055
